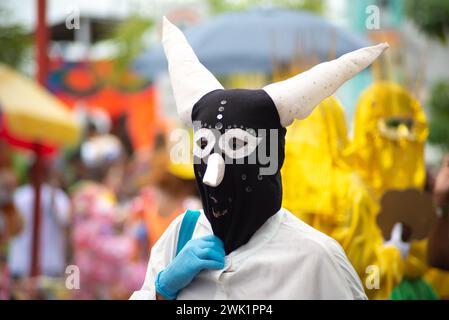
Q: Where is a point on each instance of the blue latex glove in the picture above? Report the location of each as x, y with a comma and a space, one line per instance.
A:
198, 254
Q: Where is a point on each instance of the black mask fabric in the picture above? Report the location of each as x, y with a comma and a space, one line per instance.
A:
245, 199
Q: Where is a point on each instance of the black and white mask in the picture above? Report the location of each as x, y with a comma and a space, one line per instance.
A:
240, 134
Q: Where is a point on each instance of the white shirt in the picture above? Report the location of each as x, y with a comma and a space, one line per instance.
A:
284, 259
53, 218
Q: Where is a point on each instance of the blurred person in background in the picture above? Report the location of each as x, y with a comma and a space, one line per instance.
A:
390, 132
11, 222
103, 244
387, 151
438, 244
171, 189
439, 254
55, 216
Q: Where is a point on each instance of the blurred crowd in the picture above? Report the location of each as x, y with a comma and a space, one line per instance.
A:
102, 209
103, 205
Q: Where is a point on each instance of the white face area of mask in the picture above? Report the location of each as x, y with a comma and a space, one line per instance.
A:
234, 143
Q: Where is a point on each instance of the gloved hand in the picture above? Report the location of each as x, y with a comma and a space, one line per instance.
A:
198, 254
396, 241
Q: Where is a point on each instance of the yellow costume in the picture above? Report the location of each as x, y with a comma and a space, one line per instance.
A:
322, 189
390, 130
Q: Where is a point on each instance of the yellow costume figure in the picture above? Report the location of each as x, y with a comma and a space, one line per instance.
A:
390, 130
322, 189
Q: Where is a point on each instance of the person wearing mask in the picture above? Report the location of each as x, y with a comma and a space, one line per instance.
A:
244, 244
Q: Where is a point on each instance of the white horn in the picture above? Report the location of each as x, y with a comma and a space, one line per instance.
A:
189, 78
298, 96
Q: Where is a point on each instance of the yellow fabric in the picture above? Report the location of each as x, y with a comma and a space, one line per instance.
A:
391, 161
312, 151
183, 170
322, 190
416, 263
416, 267
395, 161
34, 114
385, 162
439, 281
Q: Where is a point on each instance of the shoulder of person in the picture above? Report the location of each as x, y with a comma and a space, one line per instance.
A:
324, 250
297, 230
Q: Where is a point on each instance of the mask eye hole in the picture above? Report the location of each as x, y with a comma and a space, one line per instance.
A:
204, 142
238, 143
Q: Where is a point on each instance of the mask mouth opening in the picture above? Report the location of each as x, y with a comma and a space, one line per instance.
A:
219, 213
219, 205
397, 128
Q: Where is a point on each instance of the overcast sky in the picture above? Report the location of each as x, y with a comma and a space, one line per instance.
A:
24, 11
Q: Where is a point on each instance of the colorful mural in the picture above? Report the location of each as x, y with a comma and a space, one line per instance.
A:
94, 84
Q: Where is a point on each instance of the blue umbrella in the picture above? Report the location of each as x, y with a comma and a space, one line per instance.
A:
248, 41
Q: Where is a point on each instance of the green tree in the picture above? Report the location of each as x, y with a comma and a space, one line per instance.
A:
128, 37
439, 109
14, 41
431, 17
219, 6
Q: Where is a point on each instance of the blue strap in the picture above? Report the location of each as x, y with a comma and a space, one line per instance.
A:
187, 227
